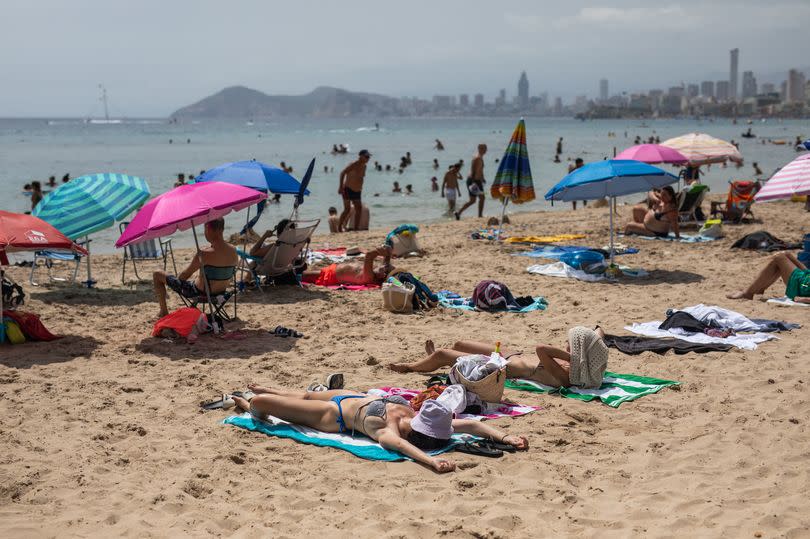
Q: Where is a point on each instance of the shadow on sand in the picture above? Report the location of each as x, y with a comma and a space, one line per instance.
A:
24, 356
250, 343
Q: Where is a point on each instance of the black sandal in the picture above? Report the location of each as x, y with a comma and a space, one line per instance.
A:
479, 447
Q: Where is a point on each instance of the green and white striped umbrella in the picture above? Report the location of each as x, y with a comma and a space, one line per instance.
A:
92, 203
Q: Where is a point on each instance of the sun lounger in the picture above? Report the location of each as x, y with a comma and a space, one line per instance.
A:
146, 250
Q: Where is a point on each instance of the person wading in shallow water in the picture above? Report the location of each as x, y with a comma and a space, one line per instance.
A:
351, 188
475, 183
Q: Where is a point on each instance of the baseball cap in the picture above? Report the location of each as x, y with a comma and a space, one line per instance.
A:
364, 153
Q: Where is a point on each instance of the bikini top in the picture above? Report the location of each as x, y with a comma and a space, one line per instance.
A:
218, 273
376, 408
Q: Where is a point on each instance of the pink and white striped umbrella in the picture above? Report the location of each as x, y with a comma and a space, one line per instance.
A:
791, 179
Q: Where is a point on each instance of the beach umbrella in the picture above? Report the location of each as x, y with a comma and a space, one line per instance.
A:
255, 175
513, 181
791, 179
91, 203
610, 179
186, 207
653, 154
703, 149
19, 232
299, 198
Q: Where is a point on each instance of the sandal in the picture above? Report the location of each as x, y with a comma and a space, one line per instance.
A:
437, 380
223, 403
480, 448
334, 381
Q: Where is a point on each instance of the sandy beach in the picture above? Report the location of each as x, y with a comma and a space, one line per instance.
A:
102, 435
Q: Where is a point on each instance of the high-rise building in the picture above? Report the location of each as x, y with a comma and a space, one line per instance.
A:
523, 91
707, 88
558, 106
501, 99
479, 101
603, 90
768, 88
692, 90
794, 93
676, 91
721, 90
442, 102
464, 100
732, 75
749, 84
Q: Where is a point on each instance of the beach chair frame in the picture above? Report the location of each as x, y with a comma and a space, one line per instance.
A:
289, 251
687, 214
135, 253
49, 257
217, 307
736, 216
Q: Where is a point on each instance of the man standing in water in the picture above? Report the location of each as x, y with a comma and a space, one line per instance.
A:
475, 183
351, 187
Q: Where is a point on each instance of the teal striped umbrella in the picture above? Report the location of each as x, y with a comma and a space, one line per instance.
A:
92, 203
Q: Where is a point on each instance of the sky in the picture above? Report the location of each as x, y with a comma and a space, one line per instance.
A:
155, 56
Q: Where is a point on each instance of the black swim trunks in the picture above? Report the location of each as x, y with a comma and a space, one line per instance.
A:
187, 289
351, 194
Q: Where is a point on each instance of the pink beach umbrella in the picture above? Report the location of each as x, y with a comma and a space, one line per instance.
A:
653, 154
791, 179
185, 207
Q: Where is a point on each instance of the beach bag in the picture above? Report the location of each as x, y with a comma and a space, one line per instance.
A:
13, 332
13, 295
397, 296
493, 296
712, 228
183, 322
402, 240
423, 297
489, 389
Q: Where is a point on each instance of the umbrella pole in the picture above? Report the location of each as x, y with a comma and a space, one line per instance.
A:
89, 283
205, 280
2, 323
503, 213
611, 205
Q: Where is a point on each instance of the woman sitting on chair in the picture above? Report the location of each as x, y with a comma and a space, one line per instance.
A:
390, 421
658, 220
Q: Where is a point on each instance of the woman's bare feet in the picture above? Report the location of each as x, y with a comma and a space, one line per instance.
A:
399, 367
429, 347
257, 389
241, 403
740, 295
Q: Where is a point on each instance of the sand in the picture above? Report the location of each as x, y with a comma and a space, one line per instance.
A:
101, 434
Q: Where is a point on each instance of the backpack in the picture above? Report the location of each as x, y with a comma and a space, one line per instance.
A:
493, 296
13, 295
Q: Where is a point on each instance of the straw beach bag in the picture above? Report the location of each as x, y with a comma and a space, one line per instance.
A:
398, 297
489, 388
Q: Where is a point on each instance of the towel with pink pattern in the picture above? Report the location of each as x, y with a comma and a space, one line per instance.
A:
491, 410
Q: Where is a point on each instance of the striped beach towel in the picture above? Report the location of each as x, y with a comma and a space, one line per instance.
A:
359, 445
616, 388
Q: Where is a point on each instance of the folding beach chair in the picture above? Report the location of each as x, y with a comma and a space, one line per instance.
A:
146, 250
285, 257
689, 200
50, 259
217, 302
740, 199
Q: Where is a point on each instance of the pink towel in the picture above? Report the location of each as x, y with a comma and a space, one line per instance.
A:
493, 411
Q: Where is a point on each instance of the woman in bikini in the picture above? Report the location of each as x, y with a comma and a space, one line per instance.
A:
551, 367
390, 421
658, 220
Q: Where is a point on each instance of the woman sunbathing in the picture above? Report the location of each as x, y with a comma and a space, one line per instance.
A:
552, 367
795, 275
659, 219
390, 421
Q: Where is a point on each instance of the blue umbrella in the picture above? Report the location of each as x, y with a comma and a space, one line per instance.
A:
610, 179
299, 197
253, 174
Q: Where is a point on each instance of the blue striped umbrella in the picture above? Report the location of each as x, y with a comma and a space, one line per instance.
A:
91, 203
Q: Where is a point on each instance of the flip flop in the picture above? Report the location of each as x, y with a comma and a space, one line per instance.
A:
438, 380
334, 381
480, 448
500, 446
281, 331
223, 403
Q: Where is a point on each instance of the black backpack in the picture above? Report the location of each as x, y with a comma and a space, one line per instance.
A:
13, 295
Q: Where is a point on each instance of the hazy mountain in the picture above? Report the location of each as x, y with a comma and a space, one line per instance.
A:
324, 101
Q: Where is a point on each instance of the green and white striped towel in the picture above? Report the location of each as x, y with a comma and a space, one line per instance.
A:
616, 388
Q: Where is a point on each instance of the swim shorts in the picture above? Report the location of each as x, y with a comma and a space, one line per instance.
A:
187, 289
327, 277
351, 194
798, 284
450, 194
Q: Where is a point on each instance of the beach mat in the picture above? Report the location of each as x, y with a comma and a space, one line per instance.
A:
785, 301
555, 252
544, 239
451, 300
561, 269
616, 388
491, 411
359, 445
685, 238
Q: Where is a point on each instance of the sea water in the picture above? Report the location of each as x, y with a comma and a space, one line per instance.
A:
156, 150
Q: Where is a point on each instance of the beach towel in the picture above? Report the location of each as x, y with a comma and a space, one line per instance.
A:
554, 252
489, 234
785, 301
544, 239
30, 324
561, 269
359, 445
330, 256
744, 341
764, 241
451, 300
685, 238
616, 388
491, 411
634, 345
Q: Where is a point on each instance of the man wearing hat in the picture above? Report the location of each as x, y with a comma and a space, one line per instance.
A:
351, 187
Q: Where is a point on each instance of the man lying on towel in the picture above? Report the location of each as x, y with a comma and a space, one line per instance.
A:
353, 273
582, 363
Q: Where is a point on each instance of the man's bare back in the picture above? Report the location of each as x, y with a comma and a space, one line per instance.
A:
355, 174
